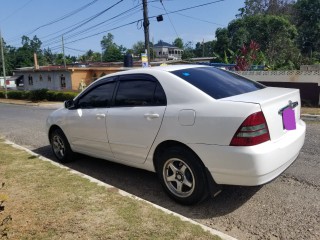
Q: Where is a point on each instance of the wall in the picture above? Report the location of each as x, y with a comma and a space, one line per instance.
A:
307, 81
89, 75
45, 82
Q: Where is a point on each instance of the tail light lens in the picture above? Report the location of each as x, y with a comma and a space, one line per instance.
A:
254, 130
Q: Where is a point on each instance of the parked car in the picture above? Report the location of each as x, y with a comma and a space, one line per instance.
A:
196, 126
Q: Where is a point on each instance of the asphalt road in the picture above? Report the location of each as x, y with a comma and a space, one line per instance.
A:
287, 208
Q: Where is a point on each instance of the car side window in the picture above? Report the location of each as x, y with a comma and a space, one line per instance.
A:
135, 93
159, 96
98, 97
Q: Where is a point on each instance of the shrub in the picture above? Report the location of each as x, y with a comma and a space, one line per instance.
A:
38, 95
18, 94
60, 96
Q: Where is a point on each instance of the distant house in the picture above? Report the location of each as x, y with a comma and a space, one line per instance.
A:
60, 78
10, 83
167, 51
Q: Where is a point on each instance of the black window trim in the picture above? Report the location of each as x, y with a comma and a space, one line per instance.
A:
133, 77
94, 86
117, 79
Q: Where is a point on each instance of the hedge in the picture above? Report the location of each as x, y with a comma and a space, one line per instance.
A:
39, 95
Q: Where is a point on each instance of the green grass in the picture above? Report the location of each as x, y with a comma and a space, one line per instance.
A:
48, 202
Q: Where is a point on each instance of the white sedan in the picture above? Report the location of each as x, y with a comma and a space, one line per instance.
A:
197, 127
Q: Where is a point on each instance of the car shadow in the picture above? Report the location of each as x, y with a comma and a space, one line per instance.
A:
146, 185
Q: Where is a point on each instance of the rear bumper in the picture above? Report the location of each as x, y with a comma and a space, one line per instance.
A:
251, 166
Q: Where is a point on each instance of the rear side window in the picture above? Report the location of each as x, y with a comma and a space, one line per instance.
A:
139, 93
217, 83
135, 93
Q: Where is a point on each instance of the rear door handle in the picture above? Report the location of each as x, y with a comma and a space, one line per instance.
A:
100, 115
150, 116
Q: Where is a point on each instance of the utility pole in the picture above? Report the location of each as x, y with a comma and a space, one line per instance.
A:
64, 57
146, 29
203, 48
3, 67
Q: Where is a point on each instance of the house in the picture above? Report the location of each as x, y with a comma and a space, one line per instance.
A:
167, 51
60, 78
10, 83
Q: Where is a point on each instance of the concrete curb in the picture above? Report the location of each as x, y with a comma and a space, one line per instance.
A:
310, 117
124, 193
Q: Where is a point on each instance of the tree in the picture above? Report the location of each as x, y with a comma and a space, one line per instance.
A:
111, 51
24, 55
275, 35
223, 42
272, 7
138, 48
178, 43
9, 53
90, 56
188, 51
205, 49
308, 24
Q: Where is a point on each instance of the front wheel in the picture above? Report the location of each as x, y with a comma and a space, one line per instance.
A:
60, 146
182, 175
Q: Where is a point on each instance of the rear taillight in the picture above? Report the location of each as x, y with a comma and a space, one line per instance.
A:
253, 131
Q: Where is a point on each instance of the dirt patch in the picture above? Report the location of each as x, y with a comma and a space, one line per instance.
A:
309, 110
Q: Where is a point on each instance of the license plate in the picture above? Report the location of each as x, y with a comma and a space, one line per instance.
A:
289, 120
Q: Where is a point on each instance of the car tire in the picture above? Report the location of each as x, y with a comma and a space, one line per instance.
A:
182, 175
60, 146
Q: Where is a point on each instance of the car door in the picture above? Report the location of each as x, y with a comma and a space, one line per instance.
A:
87, 122
135, 117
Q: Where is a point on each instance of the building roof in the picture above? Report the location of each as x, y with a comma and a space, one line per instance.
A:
164, 44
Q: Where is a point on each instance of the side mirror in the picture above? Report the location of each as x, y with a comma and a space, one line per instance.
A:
69, 104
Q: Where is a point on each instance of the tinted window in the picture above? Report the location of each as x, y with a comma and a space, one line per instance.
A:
218, 83
159, 96
98, 97
135, 93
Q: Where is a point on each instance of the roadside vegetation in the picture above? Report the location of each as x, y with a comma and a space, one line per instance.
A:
48, 202
39, 95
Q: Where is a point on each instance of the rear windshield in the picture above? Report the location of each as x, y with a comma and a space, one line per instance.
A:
217, 83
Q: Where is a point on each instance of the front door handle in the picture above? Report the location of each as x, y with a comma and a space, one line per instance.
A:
150, 116
100, 115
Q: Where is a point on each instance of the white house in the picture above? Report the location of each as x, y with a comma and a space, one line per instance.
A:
167, 51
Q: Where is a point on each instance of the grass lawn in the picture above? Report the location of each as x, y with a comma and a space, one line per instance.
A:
48, 202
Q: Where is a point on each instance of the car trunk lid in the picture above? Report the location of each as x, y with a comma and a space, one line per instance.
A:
273, 101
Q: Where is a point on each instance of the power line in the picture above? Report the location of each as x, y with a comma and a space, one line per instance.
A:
89, 29
188, 8
169, 18
67, 15
133, 22
77, 50
124, 25
94, 27
198, 19
64, 16
15, 11
85, 22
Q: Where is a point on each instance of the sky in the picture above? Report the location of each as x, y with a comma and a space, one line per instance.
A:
83, 23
